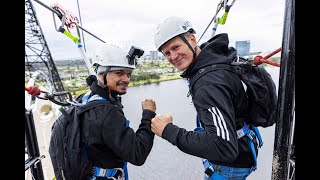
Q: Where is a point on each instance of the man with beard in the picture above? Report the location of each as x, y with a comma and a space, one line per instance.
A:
109, 140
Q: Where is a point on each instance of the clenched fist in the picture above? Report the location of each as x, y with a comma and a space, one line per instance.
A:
159, 122
149, 104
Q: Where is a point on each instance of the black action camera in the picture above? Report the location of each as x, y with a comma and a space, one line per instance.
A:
133, 54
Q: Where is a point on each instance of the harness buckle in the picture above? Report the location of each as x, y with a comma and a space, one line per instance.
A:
114, 174
251, 135
209, 171
122, 176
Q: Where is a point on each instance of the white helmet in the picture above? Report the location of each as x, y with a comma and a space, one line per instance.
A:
109, 55
170, 28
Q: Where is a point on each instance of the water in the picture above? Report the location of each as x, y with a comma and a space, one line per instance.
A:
167, 161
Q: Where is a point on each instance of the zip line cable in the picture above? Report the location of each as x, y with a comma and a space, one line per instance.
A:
84, 44
219, 7
219, 20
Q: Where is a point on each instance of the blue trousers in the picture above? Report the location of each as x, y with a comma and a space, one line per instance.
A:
228, 173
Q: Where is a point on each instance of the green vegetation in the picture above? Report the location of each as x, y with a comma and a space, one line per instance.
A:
146, 72
154, 80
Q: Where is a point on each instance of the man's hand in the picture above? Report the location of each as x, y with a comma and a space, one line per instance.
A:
149, 104
159, 122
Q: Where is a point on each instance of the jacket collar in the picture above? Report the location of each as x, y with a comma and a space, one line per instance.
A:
215, 52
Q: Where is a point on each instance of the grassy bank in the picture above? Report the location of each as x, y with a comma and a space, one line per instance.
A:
149, 81
138, 83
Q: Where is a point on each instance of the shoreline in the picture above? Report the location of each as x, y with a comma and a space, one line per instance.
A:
142, 82
151, 81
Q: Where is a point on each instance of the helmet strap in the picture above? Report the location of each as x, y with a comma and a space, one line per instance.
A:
186, 41
105, 84
105, 77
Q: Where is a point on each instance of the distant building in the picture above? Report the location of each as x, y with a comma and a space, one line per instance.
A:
146, 57
161, 56
243, 48
154, 55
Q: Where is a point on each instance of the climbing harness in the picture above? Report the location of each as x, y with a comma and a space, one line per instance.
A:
222, 5
244, 131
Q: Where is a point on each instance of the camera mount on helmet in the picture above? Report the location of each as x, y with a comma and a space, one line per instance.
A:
134, 53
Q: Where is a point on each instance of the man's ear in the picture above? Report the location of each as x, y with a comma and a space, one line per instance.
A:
193, 40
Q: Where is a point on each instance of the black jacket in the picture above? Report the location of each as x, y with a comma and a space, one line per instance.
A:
108, 140
220, 101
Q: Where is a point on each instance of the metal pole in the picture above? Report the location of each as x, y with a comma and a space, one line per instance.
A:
286, 97
34, 160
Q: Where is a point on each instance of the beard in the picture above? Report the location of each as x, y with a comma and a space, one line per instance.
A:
115, 93
121, 93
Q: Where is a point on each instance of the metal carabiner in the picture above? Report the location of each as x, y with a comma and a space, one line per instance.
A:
122, 177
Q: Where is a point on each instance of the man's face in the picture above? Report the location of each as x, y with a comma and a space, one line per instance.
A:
118, 80
178, 52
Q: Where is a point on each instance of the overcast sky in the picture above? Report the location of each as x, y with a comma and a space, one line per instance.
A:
129, 23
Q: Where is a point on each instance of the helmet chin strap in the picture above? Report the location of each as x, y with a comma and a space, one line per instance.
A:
105, 77
194, 51
104, 85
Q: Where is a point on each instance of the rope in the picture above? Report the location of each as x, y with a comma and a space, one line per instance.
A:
259, 59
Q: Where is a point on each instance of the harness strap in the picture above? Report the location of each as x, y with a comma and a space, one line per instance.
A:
256, 131
109, 173
208, 168
245, 130
198, 128
85, 97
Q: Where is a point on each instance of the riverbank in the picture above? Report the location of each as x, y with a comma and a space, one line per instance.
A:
149, 81
142, 82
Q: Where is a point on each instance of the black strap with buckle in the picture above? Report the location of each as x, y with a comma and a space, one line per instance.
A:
209, 171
